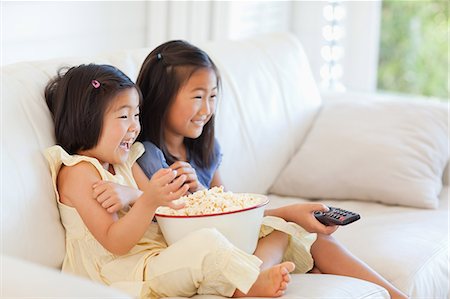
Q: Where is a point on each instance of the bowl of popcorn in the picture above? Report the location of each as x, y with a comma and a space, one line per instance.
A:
238, 216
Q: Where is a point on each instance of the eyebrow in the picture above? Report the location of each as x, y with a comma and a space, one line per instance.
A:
124, 107
203, 89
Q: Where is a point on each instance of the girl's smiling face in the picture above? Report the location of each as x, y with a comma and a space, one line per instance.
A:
192, 107
120, 129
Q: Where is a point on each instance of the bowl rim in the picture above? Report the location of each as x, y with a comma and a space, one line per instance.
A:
261, 204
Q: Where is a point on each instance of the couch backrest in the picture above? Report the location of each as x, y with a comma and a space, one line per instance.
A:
269, 101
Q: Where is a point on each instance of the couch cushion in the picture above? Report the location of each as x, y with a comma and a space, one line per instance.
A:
30, 218
407, 246
21, 279
308, 286
389, 151
269, 101
31, 228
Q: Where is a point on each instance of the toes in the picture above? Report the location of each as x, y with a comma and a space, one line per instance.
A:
290, 266
283, 286
279, 293
287, 267
287, 278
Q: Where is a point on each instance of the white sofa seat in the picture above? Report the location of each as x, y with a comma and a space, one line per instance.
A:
408, 246
269, 104
310, 286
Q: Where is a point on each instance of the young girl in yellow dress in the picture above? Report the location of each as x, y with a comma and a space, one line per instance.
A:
95, 109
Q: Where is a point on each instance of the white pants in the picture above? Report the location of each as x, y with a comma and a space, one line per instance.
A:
203, 262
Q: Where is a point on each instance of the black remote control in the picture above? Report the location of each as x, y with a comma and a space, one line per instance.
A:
336, 216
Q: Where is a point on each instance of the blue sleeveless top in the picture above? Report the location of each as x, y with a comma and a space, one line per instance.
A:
153, 159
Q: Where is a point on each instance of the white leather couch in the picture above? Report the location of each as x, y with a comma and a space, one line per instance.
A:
269, 105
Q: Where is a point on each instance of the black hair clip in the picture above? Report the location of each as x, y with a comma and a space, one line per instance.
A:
159, 56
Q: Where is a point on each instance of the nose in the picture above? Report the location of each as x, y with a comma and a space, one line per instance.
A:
135, 125
206, 108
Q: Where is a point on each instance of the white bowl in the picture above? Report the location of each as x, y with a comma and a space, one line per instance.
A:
240, 227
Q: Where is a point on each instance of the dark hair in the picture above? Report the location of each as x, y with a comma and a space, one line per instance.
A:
78, 98
162, 74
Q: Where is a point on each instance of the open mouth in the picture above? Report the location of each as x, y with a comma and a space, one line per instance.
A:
126, 145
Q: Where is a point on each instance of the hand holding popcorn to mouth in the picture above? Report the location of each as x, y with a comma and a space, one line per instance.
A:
114, 197
164, 188
184, 168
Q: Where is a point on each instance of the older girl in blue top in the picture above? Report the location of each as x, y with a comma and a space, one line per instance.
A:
180, 83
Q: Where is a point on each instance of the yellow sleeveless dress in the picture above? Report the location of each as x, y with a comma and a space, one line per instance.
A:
84, 254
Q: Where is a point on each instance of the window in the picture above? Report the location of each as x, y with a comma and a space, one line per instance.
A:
332, 52
413, 54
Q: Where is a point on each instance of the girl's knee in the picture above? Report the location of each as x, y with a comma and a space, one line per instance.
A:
210, 236
324, 241
325, 238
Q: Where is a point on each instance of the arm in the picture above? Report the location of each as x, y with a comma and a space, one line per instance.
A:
113, 197
303, 215
118, 237
216, 180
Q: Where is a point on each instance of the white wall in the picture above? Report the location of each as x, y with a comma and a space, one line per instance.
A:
41, 30
307, 23
362, 44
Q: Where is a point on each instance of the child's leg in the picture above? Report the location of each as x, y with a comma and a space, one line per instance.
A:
271, 282
271, 248
205, 262
332, 258
285, 241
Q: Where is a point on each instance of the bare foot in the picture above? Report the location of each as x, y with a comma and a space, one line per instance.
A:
271, 282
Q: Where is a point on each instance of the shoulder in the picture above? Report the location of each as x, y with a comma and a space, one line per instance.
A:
152, 160
217, 148
76, 180
151, 147
137, 149
79, 171
217, 152
152, 151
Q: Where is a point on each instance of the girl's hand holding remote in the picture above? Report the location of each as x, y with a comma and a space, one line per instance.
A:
164, 187
303, 215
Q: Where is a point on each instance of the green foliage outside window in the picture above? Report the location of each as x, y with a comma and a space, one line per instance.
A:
414, 48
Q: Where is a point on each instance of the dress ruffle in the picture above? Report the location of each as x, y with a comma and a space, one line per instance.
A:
300, 242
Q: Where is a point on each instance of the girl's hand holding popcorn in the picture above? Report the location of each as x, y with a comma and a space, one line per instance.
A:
164, 188
184, 168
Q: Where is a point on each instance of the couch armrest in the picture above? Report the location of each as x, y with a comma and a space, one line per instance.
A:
363, 96
22, 279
